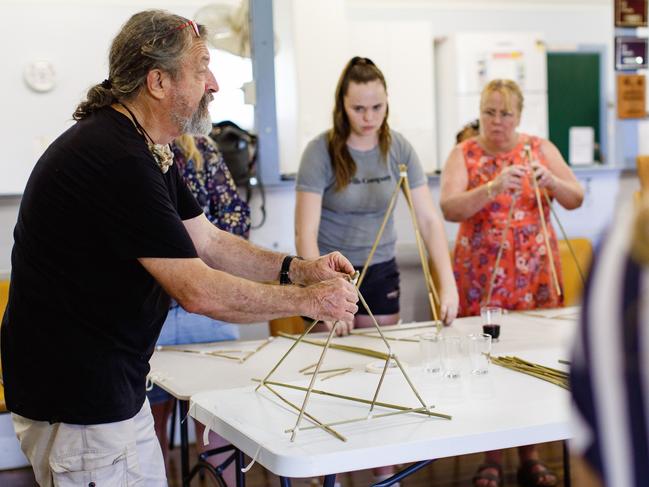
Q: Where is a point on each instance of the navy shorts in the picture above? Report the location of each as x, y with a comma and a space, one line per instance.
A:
380, 288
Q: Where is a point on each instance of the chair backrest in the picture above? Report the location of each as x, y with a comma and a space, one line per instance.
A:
293, 325
572, 283
4, 297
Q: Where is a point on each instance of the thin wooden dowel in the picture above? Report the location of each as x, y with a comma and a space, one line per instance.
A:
364, 418
365, 331
549, 374
412, 386
346, 348
326, 371
546, 238
433, 296
318, 423
378, 388
336, 374
503, 239
374, 322
297, 341
262, 345
354, 399
307, 368
394, 339
379, 235
566, 239
312, 381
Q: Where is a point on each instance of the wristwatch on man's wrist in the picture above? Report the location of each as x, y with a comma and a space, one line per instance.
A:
286, 265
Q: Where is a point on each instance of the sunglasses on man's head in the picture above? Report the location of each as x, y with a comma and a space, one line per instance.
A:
193, 24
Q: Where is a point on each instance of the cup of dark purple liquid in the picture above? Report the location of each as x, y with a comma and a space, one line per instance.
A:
491, 317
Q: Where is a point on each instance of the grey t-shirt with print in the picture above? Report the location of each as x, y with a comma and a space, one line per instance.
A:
351, 217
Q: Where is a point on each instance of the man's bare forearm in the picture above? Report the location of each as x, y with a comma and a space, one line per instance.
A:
234, 255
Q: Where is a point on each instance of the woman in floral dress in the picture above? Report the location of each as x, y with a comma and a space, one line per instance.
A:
484, 176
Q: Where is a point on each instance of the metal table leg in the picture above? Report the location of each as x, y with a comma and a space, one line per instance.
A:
566, 464
329, 480
239, 464
184, 443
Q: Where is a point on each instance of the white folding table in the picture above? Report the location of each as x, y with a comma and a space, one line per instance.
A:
499, 410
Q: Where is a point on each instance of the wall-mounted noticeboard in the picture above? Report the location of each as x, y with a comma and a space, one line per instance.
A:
631, 102
630, 13
630, 53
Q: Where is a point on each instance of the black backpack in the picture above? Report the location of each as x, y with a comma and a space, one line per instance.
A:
239, 149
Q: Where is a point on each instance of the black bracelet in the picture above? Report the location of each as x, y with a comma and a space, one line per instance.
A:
286, 264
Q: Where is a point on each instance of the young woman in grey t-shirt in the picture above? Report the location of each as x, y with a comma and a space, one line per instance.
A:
346, 178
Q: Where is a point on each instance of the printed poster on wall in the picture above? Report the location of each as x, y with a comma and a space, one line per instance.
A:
630, 13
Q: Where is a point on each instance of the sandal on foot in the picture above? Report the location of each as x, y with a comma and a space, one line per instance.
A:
532, 472
481, 474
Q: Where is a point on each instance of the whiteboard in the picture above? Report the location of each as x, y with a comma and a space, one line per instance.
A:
75, 39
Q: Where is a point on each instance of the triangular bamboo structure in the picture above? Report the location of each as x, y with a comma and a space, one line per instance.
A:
390, 356
402, 184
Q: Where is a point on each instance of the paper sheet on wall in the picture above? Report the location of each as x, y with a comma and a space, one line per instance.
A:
582, 145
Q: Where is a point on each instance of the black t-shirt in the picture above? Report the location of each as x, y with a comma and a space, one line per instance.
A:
83, 314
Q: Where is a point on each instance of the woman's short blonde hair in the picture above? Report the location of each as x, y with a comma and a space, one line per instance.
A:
508, 89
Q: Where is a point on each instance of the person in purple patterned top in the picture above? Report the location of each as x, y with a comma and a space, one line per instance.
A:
207, 176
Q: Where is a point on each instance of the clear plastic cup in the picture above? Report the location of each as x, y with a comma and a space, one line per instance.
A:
452, 356
430, 346
491, 318
479, 353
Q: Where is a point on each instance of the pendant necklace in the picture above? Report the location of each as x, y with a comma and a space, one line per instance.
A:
162, 153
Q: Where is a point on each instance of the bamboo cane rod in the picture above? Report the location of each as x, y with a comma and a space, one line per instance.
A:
407, 377
347, 348
376, 325
307, 368
546, 238
365, 331
312, 381
379, 234
298, 340
503, 239
262, 345
548, 374
336, 374
327, 371
364, 418
354, 399
319, 424
433, 296
566, 239
378, 387
394, 339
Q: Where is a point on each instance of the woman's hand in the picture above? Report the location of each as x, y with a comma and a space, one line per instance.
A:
342, 329
544, 176
510, 179
449, 305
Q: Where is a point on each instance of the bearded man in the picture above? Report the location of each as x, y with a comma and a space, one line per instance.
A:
107, 232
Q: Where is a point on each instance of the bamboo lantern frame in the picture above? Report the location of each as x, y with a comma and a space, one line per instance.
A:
387, 358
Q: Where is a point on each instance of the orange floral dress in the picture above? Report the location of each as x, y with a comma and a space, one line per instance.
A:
524, 277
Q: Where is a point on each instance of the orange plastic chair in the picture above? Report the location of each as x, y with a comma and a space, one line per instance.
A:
572, 282
293, 325
4, 297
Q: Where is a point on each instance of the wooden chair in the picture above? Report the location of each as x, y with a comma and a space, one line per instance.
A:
572, 284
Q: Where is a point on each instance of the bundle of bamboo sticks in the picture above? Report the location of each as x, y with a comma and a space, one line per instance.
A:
556, 377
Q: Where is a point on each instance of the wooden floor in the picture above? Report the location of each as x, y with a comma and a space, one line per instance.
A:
447, 472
